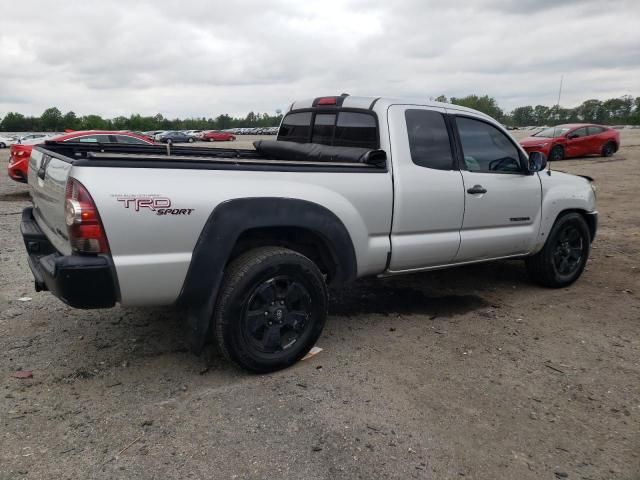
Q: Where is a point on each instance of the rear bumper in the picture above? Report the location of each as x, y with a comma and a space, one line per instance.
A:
78, 280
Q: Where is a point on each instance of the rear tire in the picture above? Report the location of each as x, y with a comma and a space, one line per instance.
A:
2, 145
556, 153
191, 140
608, 149
564, 255
271, 309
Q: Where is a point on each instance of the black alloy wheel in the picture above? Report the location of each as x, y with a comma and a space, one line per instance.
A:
565, 253
557, 153
569, 250
277, 314
271, 309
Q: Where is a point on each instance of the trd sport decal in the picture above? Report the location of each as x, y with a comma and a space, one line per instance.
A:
155, 203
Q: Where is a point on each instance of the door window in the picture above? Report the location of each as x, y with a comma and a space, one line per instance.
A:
580, 132
487, 149
429, 139
595, 130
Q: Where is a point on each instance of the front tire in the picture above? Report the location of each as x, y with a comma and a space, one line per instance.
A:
271, 309
557, 153
2, 145
564, 255
191, 140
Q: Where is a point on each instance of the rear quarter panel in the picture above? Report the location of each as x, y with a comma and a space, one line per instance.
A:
152, 252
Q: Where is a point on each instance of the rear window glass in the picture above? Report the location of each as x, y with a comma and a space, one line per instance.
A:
323, 128
356, 130
350, 129
296, 127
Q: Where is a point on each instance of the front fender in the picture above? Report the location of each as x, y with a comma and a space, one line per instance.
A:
562, 192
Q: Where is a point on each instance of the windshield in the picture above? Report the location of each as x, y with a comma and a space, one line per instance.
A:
552, 132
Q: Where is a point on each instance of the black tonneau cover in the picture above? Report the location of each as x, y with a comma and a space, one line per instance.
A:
266, 152
316, 152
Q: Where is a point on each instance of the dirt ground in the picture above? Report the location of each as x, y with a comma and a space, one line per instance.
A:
468, 373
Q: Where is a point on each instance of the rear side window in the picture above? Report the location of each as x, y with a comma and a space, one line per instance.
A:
296, 127
429, 139
341, 129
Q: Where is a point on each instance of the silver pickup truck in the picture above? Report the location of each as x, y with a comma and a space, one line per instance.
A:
248, 240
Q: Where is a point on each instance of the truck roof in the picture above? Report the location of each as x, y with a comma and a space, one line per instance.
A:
378, 103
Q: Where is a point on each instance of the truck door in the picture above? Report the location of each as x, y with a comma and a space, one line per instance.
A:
502, 200
428, 191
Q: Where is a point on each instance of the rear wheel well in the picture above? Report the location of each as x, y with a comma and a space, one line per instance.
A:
309, 243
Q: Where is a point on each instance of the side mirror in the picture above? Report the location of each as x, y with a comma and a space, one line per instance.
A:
537, 162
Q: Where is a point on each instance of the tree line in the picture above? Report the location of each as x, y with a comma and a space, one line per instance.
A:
624, 110
53, 120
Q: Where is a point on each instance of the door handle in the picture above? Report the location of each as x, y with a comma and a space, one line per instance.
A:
477, 189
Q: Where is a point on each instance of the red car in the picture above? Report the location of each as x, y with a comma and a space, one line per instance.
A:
573, 140
20, 152
215, 136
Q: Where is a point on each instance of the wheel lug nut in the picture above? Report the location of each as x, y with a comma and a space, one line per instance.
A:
266, 314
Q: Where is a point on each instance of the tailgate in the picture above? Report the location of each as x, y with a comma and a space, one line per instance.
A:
48, 176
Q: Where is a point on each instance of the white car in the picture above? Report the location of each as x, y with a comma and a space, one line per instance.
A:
6, 141
194, 133
33, 136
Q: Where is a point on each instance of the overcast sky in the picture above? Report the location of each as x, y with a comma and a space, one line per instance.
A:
202, 58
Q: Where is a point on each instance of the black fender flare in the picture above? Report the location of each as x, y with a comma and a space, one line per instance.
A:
219, 236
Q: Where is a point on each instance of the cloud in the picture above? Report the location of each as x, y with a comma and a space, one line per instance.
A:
199, 58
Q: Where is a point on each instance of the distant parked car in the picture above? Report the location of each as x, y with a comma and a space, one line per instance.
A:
6, 141
176, 137
197, 134
33, 136
573, 140
20, 152
216, 136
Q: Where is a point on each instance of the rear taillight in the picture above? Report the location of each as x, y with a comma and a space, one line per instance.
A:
86, 233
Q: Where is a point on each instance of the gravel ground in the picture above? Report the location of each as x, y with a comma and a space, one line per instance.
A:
468, 373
